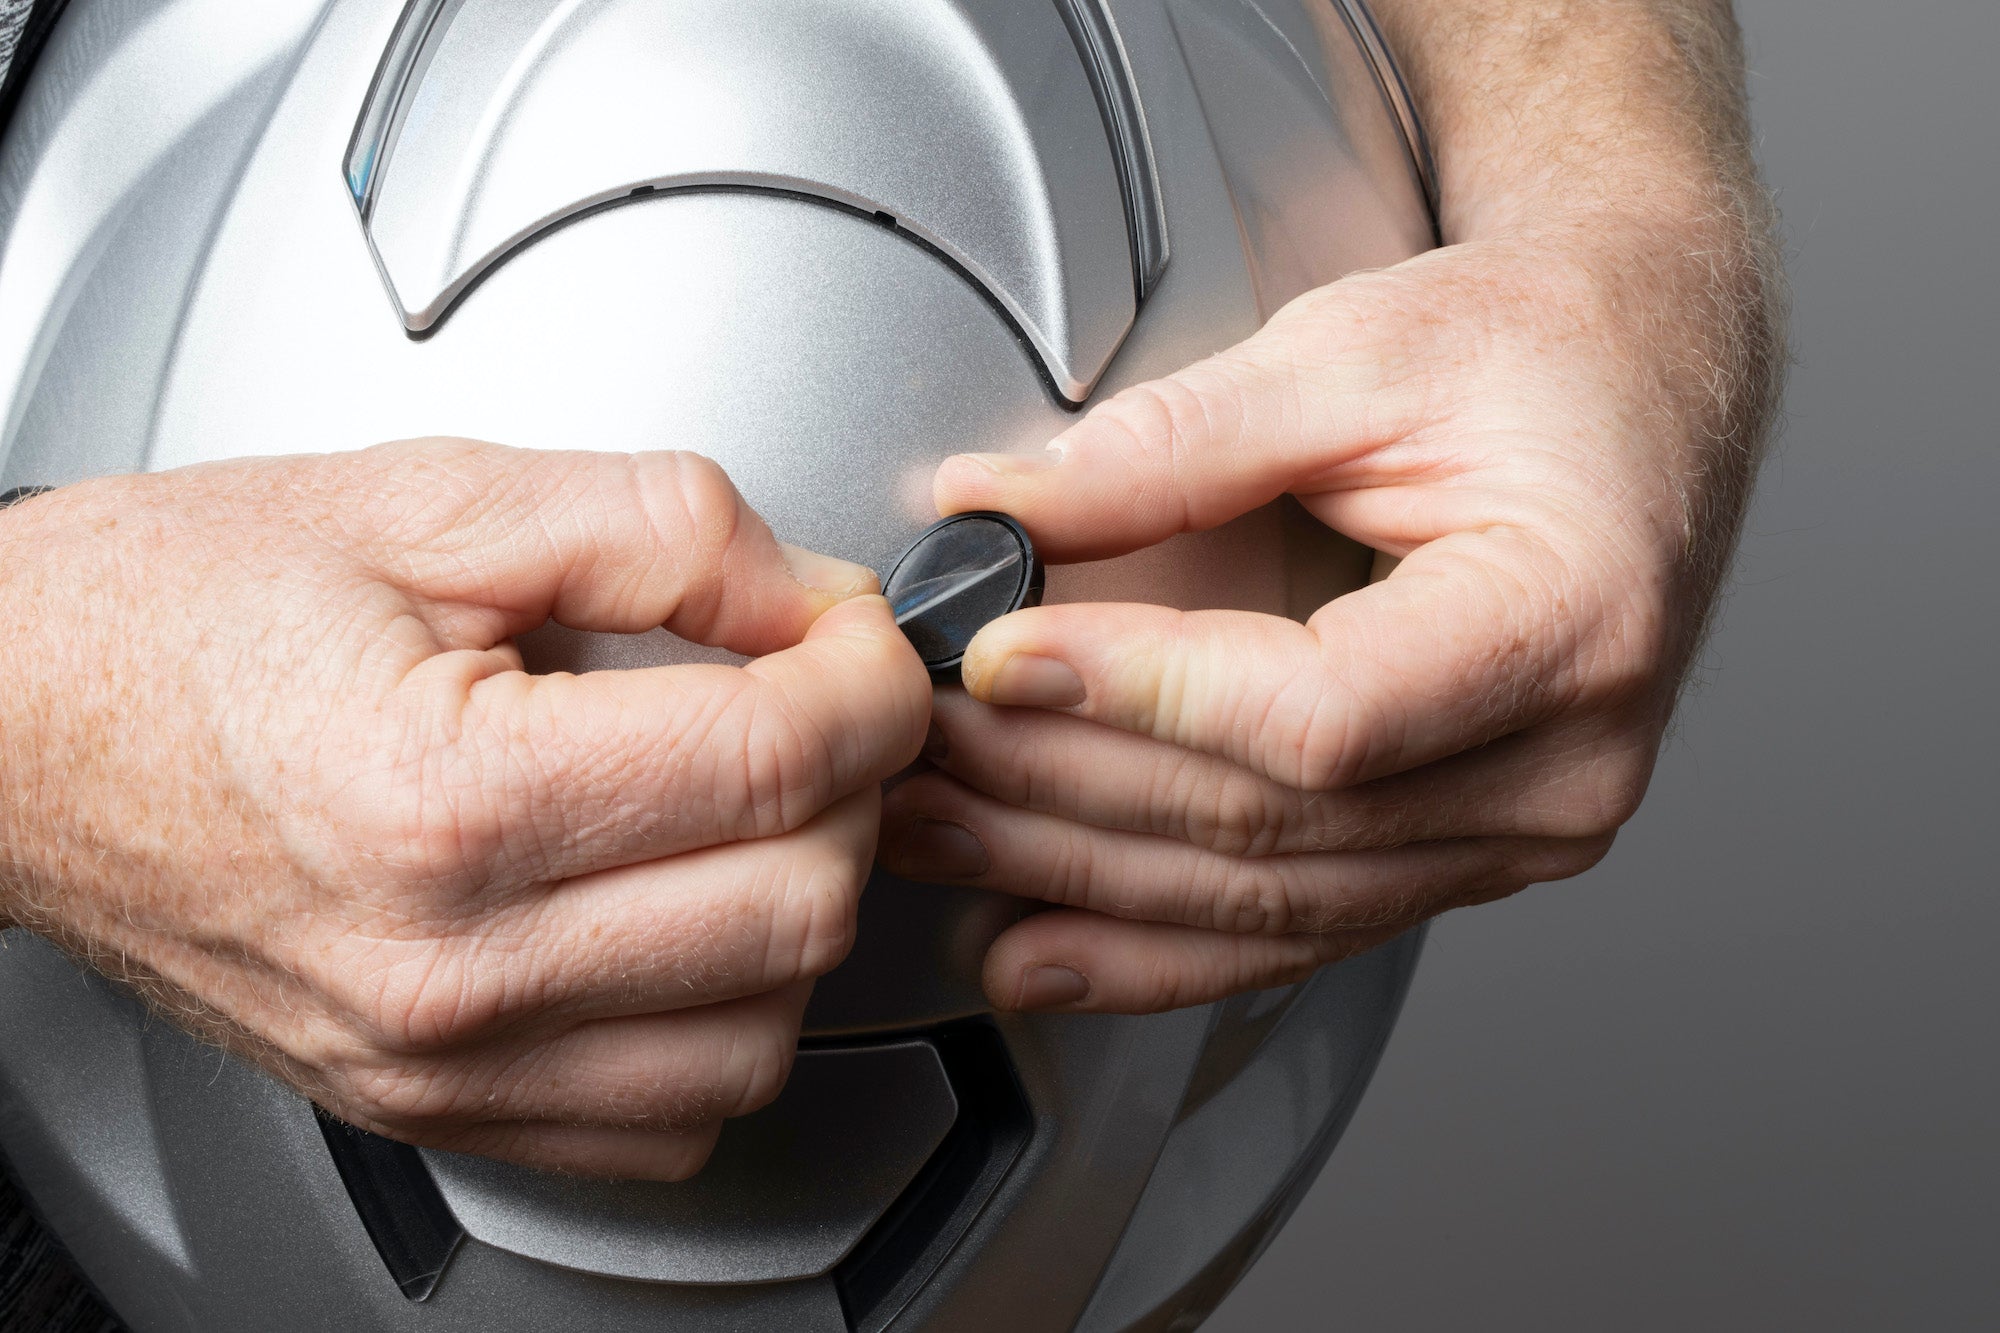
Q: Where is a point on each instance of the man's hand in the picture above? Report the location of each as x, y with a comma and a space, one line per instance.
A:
1551, 423
270, 755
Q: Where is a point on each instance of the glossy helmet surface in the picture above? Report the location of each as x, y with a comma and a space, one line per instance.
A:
827, 244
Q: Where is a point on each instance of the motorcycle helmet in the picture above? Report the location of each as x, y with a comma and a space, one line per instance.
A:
827, 243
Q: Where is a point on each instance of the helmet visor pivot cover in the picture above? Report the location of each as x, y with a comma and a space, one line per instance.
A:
959, 575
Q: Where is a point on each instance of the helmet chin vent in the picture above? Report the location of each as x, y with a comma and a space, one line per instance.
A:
869, 1168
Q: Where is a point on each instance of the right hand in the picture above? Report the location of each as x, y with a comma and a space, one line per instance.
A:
268, 753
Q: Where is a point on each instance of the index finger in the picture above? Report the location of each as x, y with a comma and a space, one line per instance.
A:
612, 542
1290, 409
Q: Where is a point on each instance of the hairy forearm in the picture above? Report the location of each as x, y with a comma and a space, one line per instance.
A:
1551, 422
1617, 132
1576, 106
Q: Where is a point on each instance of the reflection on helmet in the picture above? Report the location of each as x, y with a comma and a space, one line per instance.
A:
961, 574
827, 245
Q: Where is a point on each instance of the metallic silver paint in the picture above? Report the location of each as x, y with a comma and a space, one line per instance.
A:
184, 277
517, 115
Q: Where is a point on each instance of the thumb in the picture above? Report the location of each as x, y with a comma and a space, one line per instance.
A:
1281, 411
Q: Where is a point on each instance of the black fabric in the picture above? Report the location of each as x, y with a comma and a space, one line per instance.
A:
41, 20
40, 1289
13, 18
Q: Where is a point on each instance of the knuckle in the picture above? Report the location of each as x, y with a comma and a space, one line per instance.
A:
1335, 743
1176, 412
1254, 898
816, 924
1519, 633
427, 998
410, 1097
1513, 866
1340, 304
1161, 984
1160, 427
420, 492
1143, 416
703, 498
1072, 870
760, 1060
1251, 819
691, 513
1620, 786
1628, 635
788, 769
1233, 813
1167, 687
405, 821
1262, 818
1179, 804
1632, 656
687, 1155
1571, 857
1601, 798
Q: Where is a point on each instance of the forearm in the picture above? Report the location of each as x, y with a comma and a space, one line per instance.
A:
1615, 133
1577, 106
1551, 422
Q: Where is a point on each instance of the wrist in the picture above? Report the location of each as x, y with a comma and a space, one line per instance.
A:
19, 587
54, 728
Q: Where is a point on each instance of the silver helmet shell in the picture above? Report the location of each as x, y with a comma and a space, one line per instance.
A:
828, 245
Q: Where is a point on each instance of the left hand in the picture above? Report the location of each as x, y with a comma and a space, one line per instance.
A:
1541, 427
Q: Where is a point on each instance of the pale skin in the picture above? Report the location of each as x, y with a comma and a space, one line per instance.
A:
276, 763
1550, 424
269, 754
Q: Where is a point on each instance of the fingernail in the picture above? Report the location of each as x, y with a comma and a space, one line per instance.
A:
940, 850
936, 747
1017, 465
824, 573
1050, 986
1026, 680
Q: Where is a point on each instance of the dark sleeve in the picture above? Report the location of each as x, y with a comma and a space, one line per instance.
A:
24, 26
13, 18
40, 1289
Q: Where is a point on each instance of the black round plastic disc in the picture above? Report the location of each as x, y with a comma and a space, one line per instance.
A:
959, 575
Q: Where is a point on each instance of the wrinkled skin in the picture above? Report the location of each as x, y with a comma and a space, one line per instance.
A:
1223, 800
270, 755
268, 752
1552, 423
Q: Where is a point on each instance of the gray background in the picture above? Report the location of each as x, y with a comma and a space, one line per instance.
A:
1744, 1074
